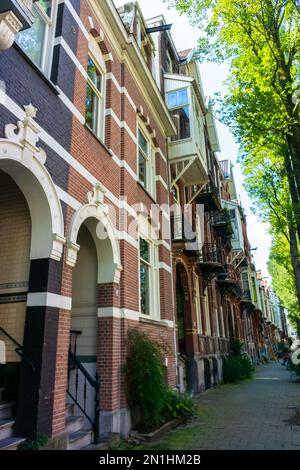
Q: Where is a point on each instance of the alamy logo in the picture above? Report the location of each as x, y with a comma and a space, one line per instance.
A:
296, 357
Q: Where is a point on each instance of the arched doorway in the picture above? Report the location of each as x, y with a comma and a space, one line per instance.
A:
15, 243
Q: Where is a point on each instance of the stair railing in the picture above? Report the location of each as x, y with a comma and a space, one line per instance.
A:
78, 391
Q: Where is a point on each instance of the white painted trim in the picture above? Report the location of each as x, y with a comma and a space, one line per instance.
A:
126, 237
158, 150
124, 164
71, 107
165, 266
165, 244
121, 124
122, 90
67, 198
47, 299
75, 16
124, 313
59, 41
162, 181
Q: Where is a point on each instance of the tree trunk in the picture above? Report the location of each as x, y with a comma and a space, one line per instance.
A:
294, 193
295, 260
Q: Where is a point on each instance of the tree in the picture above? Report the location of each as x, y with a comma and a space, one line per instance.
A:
283, 279
261, 40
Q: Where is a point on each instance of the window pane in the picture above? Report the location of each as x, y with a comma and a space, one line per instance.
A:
46, 5
172, 99
182, 97
32, 40
94, 74
182, 122
143, 143
145, 289
91, 109
142, 169
144, 250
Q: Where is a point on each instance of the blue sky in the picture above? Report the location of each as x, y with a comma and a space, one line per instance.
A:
213, 77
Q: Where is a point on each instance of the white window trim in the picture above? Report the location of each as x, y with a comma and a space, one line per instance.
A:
207, 313
97, 58
150, 186
146, 233
187, 105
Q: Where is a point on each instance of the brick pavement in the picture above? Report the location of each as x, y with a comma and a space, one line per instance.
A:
253, 415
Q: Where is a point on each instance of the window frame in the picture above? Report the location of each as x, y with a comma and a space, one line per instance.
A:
177, 138
153, 266
100, 131
45, 65
150, 183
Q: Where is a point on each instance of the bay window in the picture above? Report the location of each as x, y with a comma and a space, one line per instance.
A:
178, 104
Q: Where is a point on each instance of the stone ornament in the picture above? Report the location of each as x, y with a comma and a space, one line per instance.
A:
10, 25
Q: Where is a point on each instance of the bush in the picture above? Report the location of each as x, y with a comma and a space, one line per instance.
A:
34, 444
178, 406
237, 366
146, 388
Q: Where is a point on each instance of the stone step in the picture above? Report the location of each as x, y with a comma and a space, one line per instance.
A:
70, 409
6, 428
6, 410
11, 443
80, 439
74, 423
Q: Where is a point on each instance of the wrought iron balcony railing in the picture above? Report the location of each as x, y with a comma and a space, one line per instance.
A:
210, 253
221, 223
209, 196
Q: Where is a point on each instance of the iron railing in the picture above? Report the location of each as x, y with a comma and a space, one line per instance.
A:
210, 253
19, 350
78, 391
230, 273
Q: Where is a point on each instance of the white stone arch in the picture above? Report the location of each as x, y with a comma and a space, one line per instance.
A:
25, 163
108, 249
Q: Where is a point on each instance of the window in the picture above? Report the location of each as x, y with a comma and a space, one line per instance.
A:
146, 163
148, 270
206, 313
178, 104
35, 41
149, 284
94, 112
198, 305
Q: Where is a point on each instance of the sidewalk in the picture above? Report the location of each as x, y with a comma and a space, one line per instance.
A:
257, 414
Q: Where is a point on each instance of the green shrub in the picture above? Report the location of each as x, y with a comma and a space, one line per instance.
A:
178, 406
34, 444
237, 367
146, 388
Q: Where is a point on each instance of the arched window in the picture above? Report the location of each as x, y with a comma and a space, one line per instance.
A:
95, 90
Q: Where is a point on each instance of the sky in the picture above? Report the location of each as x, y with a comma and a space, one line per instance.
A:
213, 78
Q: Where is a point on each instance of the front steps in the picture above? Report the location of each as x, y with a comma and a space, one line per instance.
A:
78, 438
7, 439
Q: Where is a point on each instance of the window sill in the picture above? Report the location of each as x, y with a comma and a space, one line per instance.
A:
98, 139
181, 141
39, 72
152, 321
146, 191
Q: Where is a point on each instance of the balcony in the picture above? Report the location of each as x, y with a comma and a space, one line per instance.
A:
209, 196
210, 262
221, 223
187, 150
182, 233
230, 279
